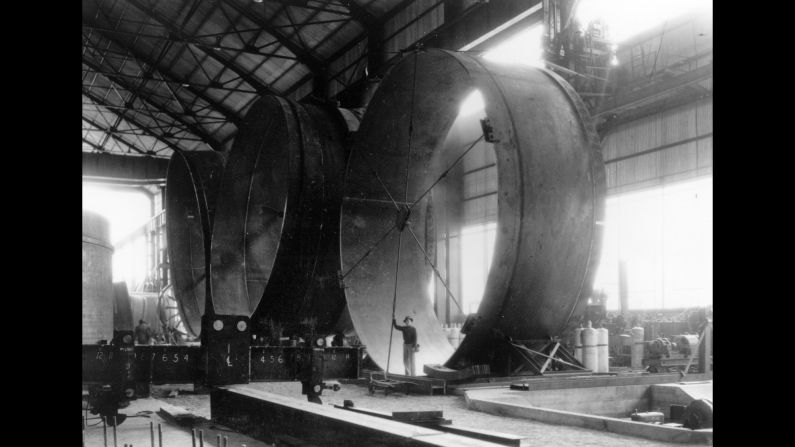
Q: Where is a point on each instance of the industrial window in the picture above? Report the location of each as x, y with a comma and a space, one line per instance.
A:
524, 48
126, 212
627, 18
664, 238
477, 246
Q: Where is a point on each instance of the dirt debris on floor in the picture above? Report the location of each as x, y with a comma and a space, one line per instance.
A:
135, 430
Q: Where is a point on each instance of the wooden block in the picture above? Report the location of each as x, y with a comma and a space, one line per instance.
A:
407, 416
488, 435
631, 428
179, 415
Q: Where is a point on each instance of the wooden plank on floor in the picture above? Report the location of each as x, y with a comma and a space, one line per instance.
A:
554, 383
593, 422
488, 435
408, 416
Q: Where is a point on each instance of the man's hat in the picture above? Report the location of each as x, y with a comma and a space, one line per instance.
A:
408, 318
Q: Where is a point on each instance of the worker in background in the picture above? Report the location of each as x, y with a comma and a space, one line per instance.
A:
338, 340
143, 333
409, 343
170, 334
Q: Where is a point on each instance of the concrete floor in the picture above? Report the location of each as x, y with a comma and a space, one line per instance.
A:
453, 407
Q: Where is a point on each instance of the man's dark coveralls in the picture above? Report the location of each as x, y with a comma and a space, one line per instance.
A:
409, 341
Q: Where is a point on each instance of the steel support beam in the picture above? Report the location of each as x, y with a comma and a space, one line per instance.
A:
195, 129
371, 31
302, 54
126, 116
94, 145
268, 417
361, 14
656, 90
123, 167
483, 22
678, 100
227, 62
465, 29
115, 136
228, 113
379, 23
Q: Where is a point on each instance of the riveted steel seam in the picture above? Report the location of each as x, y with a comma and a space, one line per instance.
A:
586, 125
520, 173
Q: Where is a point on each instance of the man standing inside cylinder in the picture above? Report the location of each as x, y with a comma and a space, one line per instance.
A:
143, 333
409, 343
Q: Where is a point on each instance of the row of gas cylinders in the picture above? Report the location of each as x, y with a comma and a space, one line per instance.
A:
454, 334
591, 348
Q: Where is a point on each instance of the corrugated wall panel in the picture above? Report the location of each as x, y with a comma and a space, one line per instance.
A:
678, 159
704, 149
690, 124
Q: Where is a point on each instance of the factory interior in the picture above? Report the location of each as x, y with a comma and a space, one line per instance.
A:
397, 223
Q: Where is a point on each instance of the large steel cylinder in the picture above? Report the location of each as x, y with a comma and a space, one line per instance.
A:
97, 279
145, 307
410, 153
191, 192
275, 242
578, 344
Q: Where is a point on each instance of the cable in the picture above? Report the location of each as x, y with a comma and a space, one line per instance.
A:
447, 171
405, 199
394, 303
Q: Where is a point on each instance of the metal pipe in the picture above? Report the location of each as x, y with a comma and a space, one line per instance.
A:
193, 437
152, 433
114, 432
201, 438
159, 436
226, 441
104, 432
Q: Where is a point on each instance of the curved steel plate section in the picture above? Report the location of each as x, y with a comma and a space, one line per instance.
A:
550, 194
191, 192
279, 215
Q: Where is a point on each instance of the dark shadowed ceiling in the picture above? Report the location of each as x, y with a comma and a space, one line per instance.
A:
159, 75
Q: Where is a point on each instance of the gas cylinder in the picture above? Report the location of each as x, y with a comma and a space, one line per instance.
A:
603, 355
450, 332
578, 344
589, 354
453, 336
636, 359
